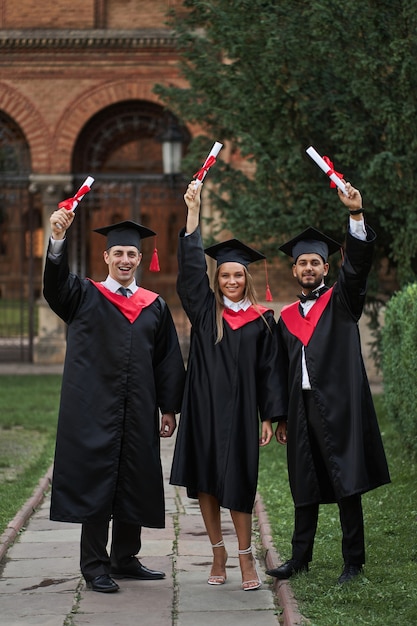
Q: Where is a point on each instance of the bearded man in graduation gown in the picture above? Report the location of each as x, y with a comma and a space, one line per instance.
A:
334, 450
123, 366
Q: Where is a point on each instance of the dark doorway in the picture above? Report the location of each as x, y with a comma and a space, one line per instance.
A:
20, 246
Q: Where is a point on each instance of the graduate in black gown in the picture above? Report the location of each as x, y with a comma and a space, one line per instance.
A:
231, 387
123, 367
334, 447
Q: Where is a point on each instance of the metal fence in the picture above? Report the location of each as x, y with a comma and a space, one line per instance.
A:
20, 269
22, 242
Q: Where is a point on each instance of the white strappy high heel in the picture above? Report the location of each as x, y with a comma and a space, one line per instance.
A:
250, 585
218, 580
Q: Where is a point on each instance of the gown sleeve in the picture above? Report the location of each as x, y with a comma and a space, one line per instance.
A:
193, 285
169, 368
271, 387
62, 290
353, 276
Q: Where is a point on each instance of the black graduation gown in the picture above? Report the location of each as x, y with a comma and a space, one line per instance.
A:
227, 386
356, 458
116, 375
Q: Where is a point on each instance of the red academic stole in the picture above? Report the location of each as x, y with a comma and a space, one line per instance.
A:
304, 327
237, 319
130, 307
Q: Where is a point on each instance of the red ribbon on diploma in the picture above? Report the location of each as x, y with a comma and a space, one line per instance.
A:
71, 203
331, 171
203, 171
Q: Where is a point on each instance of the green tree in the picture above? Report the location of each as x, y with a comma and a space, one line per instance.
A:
274, 77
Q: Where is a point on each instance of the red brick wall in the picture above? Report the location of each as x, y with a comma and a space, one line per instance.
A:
118, 14
47, 14
138, 13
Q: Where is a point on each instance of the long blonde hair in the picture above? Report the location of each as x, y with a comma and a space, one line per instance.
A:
249, 293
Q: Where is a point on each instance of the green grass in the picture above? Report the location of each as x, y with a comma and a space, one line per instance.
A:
28, 417
386, 593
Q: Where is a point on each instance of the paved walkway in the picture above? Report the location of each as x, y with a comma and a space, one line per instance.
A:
41, 584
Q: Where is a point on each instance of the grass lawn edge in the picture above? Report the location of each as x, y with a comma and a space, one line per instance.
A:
282, 588
23, 515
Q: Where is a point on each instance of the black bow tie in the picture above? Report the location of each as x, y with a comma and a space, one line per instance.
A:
314, 295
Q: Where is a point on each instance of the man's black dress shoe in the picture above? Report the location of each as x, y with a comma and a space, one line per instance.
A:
102, 583
138, 571
288, 569
349, 572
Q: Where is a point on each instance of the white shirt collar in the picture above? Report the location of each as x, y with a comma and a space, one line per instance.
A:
319, 287
113, 285
243, 304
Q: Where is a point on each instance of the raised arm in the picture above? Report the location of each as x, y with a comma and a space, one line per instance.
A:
352, 281
192, 199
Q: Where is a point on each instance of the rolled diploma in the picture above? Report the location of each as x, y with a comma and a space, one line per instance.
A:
88, 182
213, 152
323, 165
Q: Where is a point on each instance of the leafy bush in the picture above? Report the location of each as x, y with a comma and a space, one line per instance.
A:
399, 363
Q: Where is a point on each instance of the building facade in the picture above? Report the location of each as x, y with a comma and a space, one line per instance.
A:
76, 99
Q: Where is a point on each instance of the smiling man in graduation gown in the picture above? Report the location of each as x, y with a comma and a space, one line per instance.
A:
123, 365
335, 452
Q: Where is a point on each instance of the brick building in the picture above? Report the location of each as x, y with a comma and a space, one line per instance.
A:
76, 99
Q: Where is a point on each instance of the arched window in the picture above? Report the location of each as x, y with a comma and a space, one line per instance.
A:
20, 229
14, 172
14, 150
121, 147
122, 138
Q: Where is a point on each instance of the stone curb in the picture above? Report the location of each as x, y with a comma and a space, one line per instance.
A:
286, 600
290, 613
19, 521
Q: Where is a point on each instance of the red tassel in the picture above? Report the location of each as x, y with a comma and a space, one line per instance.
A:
154, 266
268, 295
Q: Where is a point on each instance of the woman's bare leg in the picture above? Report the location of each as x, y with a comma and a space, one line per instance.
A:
210, 510
243, 527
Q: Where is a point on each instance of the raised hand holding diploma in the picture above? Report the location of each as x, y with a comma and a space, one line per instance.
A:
70, 204
211, 159
62, 219
327, 166
352, 199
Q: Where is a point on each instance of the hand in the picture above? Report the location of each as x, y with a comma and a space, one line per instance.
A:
353, 200
60, 221
281, 432
168, 425
266, 433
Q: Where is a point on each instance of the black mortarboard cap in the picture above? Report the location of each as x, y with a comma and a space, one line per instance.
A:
126, 233
310, 241
233, 251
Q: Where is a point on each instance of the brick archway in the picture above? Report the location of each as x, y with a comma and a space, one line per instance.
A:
32, 124
20, 234
85, 107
